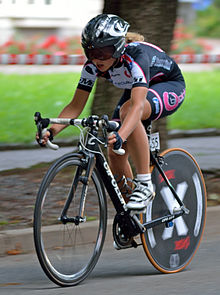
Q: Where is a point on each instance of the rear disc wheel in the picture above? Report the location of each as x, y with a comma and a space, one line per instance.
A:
170, 249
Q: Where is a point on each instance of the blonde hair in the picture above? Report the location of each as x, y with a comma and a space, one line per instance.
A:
133, 37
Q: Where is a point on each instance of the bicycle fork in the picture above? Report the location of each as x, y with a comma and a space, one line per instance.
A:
89, 162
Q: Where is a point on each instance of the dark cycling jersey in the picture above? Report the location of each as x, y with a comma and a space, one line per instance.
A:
143, 64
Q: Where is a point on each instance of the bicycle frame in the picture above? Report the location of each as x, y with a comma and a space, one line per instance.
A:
112, 188
106, 174
93, 156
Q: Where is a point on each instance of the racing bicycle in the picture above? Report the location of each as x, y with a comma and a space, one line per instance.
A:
70, 216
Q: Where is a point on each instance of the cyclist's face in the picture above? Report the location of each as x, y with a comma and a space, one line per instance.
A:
101, 57
103, 65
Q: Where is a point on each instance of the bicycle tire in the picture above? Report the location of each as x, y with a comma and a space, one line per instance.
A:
68, 253
171, 249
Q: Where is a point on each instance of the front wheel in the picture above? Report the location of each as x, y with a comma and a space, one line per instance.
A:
170, 249
69, 250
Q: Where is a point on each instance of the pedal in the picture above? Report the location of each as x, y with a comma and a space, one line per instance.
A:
177, 210
180, 209
121, 247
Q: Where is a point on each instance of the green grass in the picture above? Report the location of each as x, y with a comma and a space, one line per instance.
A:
22, 95
201, 108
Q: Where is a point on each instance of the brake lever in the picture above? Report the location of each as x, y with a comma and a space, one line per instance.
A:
39, 131
105, 135
42, 125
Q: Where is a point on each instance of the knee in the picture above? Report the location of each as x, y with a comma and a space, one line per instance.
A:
118, 160
113, 157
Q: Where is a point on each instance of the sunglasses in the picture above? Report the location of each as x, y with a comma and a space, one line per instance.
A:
101, 53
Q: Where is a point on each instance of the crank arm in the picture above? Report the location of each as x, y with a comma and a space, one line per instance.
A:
163, 220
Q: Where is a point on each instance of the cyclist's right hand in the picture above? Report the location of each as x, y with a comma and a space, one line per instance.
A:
116, 142
45, 137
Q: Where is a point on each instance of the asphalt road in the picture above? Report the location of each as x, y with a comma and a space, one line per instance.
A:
124, 272
204, 149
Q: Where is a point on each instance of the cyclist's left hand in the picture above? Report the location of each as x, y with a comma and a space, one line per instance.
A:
115, 140
48, 135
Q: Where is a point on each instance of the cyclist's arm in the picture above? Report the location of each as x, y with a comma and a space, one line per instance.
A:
138, 111
72, 110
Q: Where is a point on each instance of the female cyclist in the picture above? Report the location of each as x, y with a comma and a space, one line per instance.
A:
154, 88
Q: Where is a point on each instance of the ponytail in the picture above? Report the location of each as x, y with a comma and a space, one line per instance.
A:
133, 37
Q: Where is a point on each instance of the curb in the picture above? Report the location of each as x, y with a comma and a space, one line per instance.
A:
13, 242
65, 142
172, 134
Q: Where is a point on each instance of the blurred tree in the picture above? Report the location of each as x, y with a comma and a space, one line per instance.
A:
155, 19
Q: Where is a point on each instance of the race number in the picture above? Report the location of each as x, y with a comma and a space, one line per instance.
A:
154, 141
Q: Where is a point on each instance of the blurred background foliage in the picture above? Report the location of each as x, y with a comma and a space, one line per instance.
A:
207, 23
21, 94
39, 44
187, 39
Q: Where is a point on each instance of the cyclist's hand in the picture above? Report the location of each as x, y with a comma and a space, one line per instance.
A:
115, 140
46, 136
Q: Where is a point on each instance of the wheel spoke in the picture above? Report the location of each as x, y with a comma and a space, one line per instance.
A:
66, 246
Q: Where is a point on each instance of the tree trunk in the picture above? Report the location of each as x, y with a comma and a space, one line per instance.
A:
155, 19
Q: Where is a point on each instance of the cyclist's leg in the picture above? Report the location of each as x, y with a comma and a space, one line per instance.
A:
136, 141
165, 98
138, 148
120, 165
162, 100
122, 171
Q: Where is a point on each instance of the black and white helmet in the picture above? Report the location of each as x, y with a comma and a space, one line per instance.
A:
105, 30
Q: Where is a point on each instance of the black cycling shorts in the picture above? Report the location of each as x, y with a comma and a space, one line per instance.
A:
164, 98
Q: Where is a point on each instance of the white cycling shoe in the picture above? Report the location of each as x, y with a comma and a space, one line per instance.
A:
140, 197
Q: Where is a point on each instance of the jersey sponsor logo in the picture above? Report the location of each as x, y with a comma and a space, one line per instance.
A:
172, 100
161, 63
138, 73
138, 79
115, 75
182, 96
127, 74
156, 104
86, 82
123, 84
